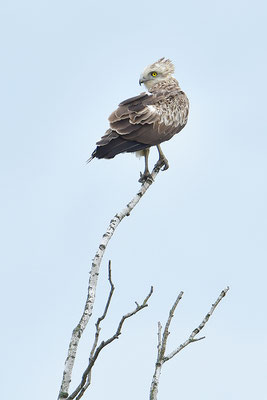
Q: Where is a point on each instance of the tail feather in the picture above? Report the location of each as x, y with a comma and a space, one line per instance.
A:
89, 159
117, 146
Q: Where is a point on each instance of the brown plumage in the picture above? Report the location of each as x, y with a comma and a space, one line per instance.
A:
148, 119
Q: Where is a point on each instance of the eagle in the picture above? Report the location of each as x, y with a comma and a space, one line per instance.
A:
148, 119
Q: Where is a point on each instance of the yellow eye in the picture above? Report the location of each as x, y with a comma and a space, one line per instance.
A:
154, 73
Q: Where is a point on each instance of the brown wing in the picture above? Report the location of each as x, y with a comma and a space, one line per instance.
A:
131, 115
143, 121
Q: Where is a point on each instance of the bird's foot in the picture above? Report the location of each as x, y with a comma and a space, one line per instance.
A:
145, 177
162, 162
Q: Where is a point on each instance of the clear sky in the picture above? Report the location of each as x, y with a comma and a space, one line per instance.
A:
65, 66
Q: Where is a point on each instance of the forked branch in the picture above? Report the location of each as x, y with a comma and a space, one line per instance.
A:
96, 349
93, 279
162, 341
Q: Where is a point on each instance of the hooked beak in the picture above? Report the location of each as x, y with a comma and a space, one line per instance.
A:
142, 80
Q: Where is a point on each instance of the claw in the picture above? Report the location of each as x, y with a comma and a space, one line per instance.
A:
162, 162
145, 177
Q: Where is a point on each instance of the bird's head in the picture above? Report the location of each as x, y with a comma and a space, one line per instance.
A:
161, 70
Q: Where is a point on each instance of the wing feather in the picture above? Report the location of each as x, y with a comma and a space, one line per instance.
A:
141, 96
144, 120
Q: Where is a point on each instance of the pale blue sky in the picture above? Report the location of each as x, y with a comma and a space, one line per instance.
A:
202, 225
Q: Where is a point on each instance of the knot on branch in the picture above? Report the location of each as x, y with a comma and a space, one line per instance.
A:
63, 395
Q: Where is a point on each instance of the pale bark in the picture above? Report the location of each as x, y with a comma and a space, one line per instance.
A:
162, 341
96, 349
89, 304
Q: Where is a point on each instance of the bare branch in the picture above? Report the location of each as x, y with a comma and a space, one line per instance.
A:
162, 342
112, 288
166, 329
93, 279
98, 329
191, 338
93, 357
159, 338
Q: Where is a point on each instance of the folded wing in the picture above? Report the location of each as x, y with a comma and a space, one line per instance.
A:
143, 121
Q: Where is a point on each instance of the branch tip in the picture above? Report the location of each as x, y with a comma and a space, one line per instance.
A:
149, 295
197, 339
109, 276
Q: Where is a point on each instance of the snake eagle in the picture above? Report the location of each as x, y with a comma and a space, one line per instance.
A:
148, 119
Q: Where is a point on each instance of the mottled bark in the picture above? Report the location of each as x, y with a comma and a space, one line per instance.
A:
89, 304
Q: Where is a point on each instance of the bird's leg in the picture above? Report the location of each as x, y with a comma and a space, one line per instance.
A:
146, 175
162, 161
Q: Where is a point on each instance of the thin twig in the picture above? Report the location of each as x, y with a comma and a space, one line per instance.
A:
93, 279
166, 329
112, 288
84, 383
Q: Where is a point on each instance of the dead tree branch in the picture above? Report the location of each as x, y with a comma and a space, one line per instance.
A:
98, 329
162, 341
86, 377
89, 304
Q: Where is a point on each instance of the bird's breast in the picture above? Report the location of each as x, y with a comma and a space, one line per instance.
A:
169, 114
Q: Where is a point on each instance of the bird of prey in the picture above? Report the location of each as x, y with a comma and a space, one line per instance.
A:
148, 119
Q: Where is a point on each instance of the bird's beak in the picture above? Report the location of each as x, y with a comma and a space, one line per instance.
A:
142, 80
